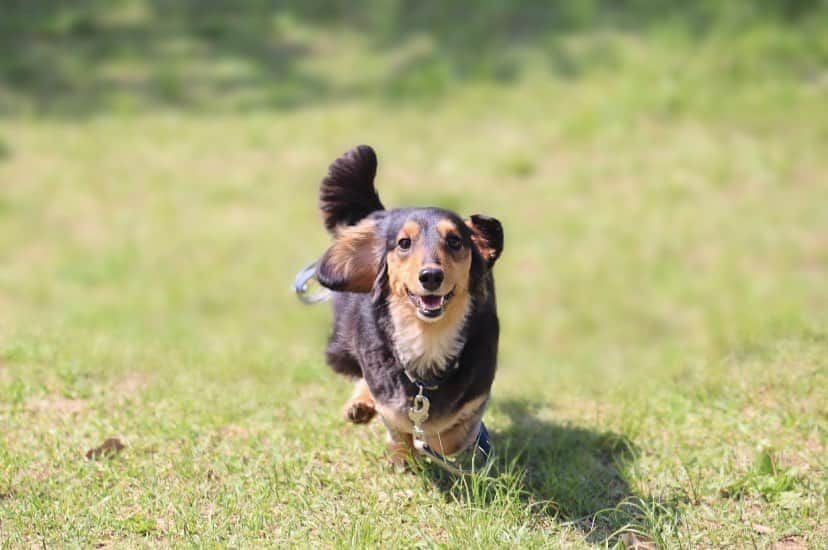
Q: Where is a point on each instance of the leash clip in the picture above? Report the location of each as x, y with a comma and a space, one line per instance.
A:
418, 413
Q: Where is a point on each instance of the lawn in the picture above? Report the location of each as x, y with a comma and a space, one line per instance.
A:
662, 180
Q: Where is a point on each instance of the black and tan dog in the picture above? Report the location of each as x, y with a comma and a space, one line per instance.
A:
414, 309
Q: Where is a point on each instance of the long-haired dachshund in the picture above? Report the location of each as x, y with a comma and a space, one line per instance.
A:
415, 322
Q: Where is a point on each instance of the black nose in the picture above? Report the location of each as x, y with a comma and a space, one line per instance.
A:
431, 278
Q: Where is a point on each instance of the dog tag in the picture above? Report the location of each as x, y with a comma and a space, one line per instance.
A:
418, 413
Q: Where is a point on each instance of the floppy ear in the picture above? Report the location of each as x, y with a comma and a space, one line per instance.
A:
487, 235
352, 262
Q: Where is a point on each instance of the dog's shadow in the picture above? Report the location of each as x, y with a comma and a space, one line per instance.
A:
577, 475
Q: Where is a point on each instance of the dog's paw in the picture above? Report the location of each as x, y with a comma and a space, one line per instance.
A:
359, 412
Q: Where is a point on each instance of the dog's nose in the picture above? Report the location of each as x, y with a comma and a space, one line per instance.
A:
431, 278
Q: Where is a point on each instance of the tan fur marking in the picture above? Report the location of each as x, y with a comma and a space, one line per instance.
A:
400, 446
353, 255
461, 434
455, 266
404, 267
444, 227
410, 229
489, 254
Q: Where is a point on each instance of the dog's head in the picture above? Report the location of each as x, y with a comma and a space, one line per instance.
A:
426, 258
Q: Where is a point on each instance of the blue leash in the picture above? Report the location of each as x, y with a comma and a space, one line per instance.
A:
300, 286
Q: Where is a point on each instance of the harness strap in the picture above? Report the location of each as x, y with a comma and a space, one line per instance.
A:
481, 445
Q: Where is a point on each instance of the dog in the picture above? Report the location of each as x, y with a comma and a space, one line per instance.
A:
414, 314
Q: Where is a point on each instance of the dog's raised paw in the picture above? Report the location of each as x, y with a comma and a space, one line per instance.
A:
360, 412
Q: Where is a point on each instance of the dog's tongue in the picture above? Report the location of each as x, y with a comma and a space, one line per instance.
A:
431, 302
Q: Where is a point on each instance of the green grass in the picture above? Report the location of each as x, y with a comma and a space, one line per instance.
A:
663, 291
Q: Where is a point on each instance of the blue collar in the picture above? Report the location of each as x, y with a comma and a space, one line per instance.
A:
434, 382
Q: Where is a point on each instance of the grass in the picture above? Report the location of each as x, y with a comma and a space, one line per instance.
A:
663, 296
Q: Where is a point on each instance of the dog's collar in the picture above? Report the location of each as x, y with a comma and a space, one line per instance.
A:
434, 382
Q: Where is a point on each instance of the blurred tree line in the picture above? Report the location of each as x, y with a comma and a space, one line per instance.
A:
55, 54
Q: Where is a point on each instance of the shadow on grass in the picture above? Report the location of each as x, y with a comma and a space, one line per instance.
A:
576, 475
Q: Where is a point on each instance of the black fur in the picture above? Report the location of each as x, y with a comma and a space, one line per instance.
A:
362, 343
347, 193
491, 230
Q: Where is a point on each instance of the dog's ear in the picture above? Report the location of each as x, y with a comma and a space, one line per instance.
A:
352, 262
487, 235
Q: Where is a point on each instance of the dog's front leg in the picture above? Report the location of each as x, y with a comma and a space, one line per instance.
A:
400, 447
360, 408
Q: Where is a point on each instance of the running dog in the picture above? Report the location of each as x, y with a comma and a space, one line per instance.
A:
415, 321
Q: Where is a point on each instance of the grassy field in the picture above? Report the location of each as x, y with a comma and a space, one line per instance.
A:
662, 179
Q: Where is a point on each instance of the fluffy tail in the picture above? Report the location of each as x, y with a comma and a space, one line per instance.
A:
347, 193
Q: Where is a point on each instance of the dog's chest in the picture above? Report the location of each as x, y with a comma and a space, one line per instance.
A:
427, 349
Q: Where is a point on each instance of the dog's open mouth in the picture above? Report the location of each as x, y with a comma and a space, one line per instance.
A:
430, 306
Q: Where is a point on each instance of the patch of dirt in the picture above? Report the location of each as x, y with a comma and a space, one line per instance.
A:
131, 384
791, 542
233, 431
59, 405
632, 540
44, 473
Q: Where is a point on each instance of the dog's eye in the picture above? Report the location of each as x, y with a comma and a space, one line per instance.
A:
404, 243
454, 242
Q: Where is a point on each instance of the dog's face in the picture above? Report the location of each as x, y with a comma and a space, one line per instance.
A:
429, 261
425, 259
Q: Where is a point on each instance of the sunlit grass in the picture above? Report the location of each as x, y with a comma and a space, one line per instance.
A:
662, 294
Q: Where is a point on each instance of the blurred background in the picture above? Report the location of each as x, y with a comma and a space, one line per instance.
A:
659, 168
82, 58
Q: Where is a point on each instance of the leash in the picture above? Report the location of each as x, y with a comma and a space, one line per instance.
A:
303, 292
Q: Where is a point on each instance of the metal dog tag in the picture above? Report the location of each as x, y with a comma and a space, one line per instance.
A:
418, 413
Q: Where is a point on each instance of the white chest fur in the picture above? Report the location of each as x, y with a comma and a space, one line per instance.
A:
426, 348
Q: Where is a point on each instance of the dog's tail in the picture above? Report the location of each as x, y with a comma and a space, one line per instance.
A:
347, 193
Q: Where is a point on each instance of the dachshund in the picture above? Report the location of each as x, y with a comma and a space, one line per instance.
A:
414, 315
